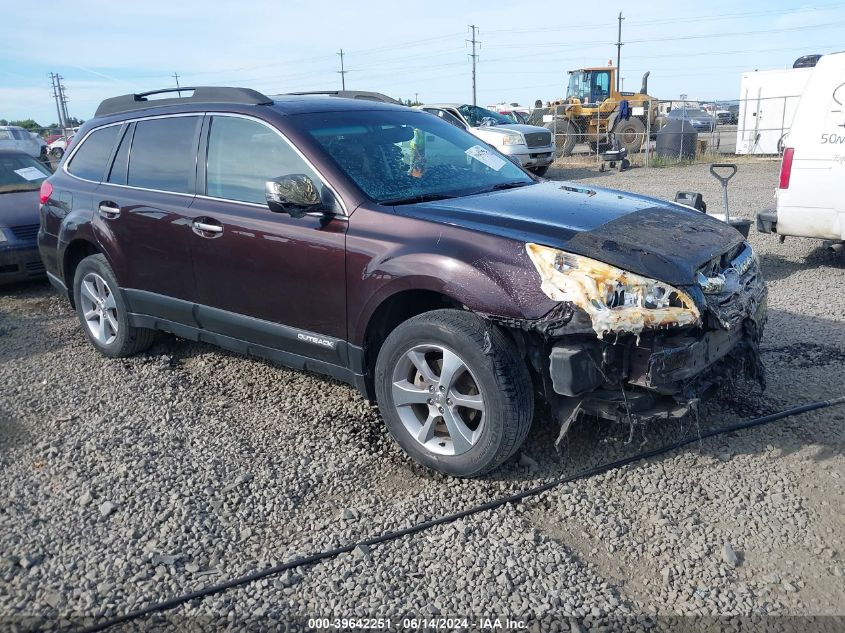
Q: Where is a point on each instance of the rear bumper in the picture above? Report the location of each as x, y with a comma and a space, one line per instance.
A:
767, 221
20, 263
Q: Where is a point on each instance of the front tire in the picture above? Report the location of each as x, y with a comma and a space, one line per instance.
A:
103, 312
539, 171
454, 392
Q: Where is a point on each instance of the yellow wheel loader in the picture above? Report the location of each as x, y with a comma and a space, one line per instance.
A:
593, 113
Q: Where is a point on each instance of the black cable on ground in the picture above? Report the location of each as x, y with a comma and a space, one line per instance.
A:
176, 601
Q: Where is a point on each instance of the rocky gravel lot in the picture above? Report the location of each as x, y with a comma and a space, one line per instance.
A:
124, 482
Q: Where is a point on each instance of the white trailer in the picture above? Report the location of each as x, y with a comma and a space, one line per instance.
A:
768, 100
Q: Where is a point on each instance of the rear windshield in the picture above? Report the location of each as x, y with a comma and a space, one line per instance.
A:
20, 172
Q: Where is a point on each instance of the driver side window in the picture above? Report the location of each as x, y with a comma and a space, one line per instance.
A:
243, 155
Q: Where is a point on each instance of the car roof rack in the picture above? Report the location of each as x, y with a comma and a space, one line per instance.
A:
199, 94
365, 95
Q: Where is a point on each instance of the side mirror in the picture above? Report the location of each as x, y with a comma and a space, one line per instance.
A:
295, 194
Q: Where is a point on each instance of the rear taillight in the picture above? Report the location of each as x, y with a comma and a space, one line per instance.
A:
46, 191
786, 168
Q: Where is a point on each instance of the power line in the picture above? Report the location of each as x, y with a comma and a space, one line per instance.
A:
810, 27
684, 20
474, 59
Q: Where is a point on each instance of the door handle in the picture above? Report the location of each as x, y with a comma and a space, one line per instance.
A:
109, 210
206, 227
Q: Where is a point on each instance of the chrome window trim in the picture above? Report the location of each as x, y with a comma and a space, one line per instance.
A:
172, 193
68, 160
296, 150
258, 205
191, 195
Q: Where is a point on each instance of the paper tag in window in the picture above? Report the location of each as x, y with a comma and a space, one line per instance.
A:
30, 173
486, 156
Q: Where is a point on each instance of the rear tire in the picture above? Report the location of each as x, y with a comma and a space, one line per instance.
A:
103, 311
434, 361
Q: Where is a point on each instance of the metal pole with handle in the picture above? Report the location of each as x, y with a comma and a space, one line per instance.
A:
724, 180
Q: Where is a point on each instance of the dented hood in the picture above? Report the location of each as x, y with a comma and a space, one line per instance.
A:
651, 237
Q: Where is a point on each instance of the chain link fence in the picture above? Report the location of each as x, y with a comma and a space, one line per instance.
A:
660, 132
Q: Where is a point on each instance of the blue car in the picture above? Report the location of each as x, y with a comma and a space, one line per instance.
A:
20, 180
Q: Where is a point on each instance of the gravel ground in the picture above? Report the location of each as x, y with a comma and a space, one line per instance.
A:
128, 481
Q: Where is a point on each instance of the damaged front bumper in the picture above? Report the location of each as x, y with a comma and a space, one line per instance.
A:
664, 372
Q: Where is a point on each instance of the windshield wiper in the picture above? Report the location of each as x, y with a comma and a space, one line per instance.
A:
506, 185
423, 197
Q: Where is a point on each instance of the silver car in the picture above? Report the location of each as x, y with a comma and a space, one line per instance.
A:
532, 146
19, 139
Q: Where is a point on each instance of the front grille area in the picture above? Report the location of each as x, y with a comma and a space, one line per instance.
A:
733, 286
538, 139
26, 232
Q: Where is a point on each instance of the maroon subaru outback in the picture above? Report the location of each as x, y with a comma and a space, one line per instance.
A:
386, 248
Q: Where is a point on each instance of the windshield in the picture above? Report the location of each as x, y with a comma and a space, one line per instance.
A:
579, 87
481, 116
19, 172
407, 156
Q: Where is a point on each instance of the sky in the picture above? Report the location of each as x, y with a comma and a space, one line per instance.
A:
408, 50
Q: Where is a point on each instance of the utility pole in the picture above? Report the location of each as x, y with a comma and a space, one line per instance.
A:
416, 97
342, 71
56, 97
176, 77
474, 59
62, 98
619, 53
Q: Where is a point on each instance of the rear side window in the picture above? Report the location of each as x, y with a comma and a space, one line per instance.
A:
89, 160
164, 154
243, 155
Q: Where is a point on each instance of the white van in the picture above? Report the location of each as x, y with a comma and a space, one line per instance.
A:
811, 192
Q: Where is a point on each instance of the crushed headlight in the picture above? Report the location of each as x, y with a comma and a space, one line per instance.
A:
3, 237
513, 139
616, 300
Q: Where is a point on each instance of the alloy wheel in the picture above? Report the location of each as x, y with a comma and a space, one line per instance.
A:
438, 399
99, 308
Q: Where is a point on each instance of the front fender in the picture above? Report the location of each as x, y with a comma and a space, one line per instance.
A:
495, 279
